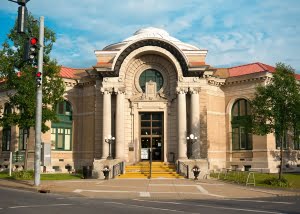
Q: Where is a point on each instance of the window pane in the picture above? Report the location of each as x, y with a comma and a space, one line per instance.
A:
242, 107
61, 108
248, 108
145, 132
60, 142
67, 141
145, 123
243, 137
157, 116
235, 138
235, 110
156, 124
145, 116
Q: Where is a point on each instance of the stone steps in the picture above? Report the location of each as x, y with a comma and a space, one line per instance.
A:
158, 170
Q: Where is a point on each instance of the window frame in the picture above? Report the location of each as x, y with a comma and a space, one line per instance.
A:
63, 129
240, 119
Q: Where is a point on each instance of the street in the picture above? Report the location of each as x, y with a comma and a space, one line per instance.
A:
19, 201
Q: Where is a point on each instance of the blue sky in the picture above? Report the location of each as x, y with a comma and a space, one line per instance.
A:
233, 31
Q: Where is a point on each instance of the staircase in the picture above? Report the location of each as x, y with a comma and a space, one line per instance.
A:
142, 169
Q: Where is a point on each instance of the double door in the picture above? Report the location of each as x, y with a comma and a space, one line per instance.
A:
151, 135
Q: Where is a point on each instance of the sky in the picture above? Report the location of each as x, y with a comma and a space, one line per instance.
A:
234, 32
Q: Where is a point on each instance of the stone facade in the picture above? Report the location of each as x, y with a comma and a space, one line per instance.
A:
194, 98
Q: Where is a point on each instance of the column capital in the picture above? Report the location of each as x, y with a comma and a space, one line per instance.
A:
120, 90
194, 90
106, 90
181, 90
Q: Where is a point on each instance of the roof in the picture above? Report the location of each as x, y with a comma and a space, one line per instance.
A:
249, 69
72, 73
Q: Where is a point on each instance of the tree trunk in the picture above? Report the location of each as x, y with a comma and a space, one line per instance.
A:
281, 157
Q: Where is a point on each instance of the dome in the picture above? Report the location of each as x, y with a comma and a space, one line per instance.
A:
151, 32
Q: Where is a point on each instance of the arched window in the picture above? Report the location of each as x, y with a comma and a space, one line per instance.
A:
241, 124
61, 131
6, 132
153, 75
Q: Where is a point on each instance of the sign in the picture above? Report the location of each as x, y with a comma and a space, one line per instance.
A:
18, 157
144, 153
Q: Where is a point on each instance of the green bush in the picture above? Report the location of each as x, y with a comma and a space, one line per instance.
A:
23, 175
283, 182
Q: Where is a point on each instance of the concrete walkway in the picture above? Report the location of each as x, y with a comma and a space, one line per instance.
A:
176, 189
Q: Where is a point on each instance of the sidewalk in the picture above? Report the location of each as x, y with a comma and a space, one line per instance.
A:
176, 189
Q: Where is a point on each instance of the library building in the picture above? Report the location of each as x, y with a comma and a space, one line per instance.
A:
152, 98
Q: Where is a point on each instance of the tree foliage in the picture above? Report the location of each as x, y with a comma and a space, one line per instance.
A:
19, 81
276, 105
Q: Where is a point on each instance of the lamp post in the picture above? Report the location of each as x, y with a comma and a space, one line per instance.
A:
192, 139
109, 140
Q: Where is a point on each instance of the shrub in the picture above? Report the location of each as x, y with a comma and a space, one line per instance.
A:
283, 182
23, 175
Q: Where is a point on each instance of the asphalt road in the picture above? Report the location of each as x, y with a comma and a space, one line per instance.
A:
18, 201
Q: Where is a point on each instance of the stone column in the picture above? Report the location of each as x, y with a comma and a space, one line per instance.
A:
195, 122
181, 115
120, 135
106, 123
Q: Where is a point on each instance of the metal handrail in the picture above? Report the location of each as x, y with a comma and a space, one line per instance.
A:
183, 169
118, 169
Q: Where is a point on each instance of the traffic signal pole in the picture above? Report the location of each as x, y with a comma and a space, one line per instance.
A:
38, 113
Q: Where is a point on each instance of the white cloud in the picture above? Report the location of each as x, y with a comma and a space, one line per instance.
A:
233, 31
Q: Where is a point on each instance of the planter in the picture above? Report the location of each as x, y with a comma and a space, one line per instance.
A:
196, 174
106, 175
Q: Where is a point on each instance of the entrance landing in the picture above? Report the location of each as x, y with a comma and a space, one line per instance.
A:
158, 170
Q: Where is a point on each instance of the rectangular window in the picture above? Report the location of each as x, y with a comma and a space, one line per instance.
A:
241, 139
67, 139
23, 135
6, 138
61, 138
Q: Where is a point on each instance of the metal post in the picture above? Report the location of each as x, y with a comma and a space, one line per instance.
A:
10, 163
150, 171
109, 151
39, 99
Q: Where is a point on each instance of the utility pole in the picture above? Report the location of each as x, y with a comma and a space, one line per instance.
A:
22, 16
38, 113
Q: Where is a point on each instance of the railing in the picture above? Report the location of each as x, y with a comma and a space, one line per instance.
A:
183, 169
118, 169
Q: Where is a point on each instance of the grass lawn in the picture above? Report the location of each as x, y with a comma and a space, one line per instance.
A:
58, 176
241, 177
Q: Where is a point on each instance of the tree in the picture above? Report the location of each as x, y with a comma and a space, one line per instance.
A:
19, 79
276, 107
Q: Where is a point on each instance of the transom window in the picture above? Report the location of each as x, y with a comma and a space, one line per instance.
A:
154, 76
241, 123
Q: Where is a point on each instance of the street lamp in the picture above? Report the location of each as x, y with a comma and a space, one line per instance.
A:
192, 139
109, 140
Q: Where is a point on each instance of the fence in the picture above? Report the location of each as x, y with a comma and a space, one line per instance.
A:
183, 169
118, 169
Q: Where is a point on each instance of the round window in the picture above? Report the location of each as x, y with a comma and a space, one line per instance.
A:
153, 75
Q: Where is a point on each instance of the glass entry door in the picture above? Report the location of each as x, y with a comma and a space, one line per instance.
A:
152, 135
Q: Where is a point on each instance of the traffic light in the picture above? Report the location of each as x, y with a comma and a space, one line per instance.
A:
31, 50
38, 79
